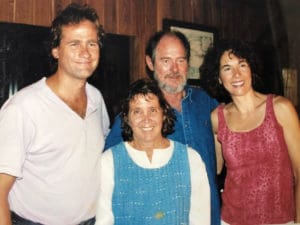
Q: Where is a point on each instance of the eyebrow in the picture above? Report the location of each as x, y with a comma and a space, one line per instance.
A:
165, 57
241, 60
168, 57
224, 66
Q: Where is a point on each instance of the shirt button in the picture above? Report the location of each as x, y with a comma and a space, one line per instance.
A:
159, 215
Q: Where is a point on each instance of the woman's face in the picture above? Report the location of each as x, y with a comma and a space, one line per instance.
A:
235, 74
145, 117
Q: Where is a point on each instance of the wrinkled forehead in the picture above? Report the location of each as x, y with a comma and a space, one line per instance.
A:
170, 43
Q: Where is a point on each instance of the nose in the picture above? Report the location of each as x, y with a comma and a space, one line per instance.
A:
84, 51
236, 72
146, 116
175, 67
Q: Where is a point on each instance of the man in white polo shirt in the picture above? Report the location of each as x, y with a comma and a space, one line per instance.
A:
52, 132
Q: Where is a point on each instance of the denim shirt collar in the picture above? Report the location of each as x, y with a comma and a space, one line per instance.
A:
188, 94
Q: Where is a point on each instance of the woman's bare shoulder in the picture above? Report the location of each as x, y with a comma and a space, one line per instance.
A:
284, 109
282, 104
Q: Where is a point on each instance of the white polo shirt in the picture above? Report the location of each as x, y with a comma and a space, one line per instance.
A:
54, 154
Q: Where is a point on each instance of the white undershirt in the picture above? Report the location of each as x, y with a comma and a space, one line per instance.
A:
200, 192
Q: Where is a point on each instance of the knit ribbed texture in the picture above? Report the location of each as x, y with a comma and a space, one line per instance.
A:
151, 196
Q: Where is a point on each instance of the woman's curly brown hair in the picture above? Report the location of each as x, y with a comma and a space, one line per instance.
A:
144, 87
210, 69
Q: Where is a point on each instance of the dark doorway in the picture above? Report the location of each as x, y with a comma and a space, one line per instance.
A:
24, 60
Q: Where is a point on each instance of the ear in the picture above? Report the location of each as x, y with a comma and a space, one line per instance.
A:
125, 119
54, 52
149, 63
220, 82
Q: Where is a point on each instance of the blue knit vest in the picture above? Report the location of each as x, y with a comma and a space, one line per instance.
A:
158, 196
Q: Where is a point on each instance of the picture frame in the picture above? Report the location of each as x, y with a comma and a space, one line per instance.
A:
201, 37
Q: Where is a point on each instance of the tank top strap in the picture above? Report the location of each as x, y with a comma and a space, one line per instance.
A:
270, 114
221, 117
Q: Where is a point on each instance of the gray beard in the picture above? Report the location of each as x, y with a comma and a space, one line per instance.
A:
170, 89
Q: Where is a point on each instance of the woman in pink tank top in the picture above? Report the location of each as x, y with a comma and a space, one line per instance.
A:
257, 136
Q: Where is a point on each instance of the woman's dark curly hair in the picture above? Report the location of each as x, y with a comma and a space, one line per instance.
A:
144, 87
210, 69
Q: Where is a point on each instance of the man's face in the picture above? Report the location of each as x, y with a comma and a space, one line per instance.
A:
78, 51
170, 66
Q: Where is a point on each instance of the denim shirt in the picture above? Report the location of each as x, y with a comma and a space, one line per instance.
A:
192, 127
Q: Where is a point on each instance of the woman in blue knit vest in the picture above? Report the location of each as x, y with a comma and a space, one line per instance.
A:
149, 179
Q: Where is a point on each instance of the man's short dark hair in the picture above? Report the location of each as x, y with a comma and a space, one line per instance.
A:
73, 14
154, 40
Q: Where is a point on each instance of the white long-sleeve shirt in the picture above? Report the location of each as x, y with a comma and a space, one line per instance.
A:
200, 193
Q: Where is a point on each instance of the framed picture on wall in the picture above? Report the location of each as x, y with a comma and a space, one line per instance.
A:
201, 37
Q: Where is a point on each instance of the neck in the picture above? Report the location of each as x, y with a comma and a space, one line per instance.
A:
65, 87
174, 99
71, 91
247, 103
148, 147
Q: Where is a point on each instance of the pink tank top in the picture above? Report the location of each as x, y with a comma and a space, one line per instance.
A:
259, 184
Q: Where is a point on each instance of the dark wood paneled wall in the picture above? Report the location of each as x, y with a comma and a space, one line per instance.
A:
252, 20
141, 18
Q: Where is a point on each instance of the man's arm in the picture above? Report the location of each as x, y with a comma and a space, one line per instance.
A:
6, 183
115, 135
